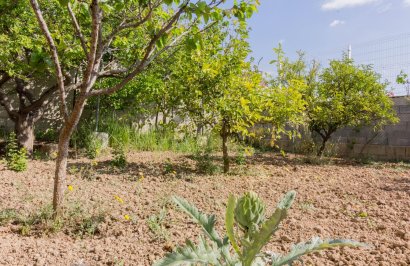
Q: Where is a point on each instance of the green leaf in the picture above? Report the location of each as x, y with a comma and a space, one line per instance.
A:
203, 254
261, 237
229, 223
316, 244
206, 221
63, 2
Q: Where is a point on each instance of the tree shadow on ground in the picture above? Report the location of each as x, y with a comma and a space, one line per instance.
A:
399, 184
278, 159
132, 170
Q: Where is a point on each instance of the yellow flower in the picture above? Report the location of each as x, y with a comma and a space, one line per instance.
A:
141, 176
70, 187
127, 217
120, 200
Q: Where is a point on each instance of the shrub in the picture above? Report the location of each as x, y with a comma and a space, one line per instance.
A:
205, 164
252, 232
16, 157
93, 147
49, 135
120, 160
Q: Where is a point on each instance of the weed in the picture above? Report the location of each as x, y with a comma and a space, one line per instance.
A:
74, 221
168, 167
119, 262
88, 171
89, 226
7, 216
39, 155
119, 160
16, 157
93, 147
204, 161
156, 225
48, 135
307, 206
243, 153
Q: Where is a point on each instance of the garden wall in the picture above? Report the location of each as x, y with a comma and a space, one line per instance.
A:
392, 143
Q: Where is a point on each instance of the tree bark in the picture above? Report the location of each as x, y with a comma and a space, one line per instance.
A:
62, 156
24, 129
325, 138
60, 174
224, 135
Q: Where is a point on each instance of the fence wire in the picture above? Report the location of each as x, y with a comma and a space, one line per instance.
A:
389, 56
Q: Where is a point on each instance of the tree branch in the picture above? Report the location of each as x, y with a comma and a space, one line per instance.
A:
147, 56
4, 100
78, 30
95, 48
123, 25
54, 54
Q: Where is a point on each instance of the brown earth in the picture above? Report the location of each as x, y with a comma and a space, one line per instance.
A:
369, 203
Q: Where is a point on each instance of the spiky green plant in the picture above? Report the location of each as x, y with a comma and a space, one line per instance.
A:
246, 239
16, 157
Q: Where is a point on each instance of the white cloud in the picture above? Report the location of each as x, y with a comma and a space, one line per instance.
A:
339, 4
385, 7
336, 23
406, 2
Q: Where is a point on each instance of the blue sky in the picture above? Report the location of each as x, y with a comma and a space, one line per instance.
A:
322, 28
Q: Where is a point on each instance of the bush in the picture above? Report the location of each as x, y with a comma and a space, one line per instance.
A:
244, 242
93, 147
16, 157
120, 160
49, 135
204, 160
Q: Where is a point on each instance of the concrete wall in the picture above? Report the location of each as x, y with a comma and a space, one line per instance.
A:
51, 116
392, 143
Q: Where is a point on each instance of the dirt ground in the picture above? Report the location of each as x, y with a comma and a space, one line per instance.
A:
369, 203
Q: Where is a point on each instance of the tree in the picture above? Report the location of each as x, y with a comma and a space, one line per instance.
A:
120, 38
27, 85
222, 90
347, 95
403, 79
285, 100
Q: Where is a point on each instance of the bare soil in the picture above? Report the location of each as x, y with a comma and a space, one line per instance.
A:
369, 203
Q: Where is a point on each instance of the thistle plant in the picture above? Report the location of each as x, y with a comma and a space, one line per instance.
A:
247, 232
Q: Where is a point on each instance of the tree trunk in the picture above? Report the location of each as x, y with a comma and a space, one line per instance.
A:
24, 129
224, 135
60, 173
62, 156
323, 146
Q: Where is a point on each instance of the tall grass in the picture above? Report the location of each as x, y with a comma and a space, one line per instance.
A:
123, 136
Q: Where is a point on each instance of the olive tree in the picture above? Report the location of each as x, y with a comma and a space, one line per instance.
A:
120, 38
347, 95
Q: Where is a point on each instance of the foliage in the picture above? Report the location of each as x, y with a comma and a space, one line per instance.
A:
93, 146
116, 40
156, 225
120, 160
49, 135
347, 95
403, 78
247, 241
16, 157
203, 158
74, 223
